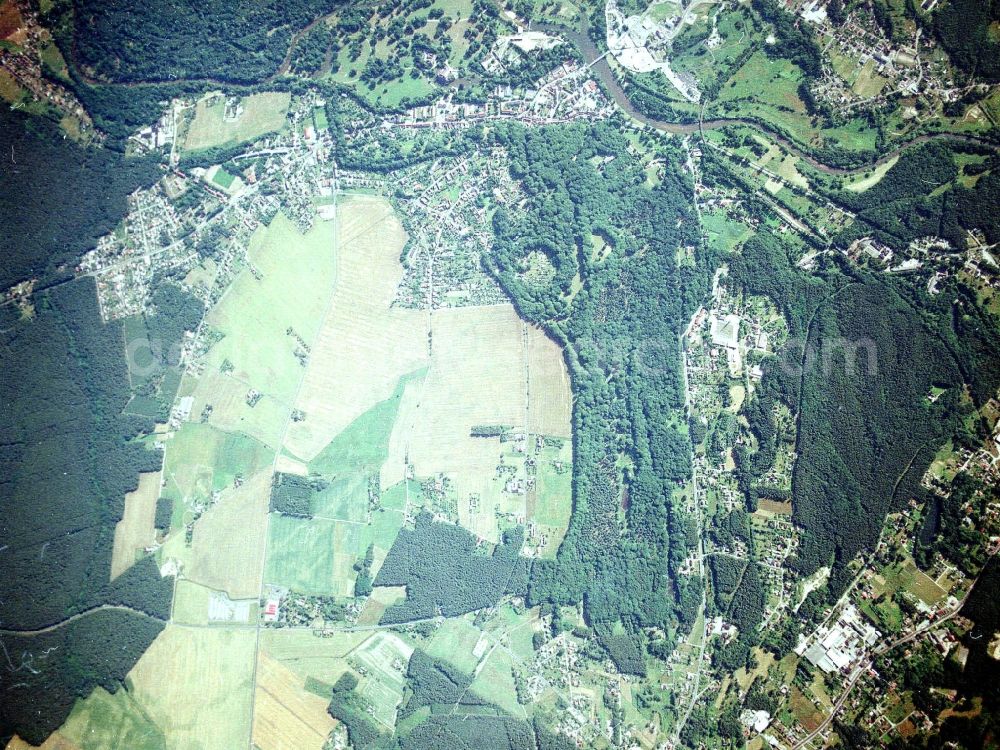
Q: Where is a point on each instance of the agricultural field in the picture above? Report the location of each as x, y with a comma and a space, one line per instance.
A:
202, 460
214, 124
110, 721
226, 551
195, 684
286, 716
264, 331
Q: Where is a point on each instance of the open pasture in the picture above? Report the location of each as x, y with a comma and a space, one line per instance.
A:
322, 658
210, 127
195, 684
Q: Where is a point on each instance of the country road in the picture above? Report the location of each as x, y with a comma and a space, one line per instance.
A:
73, 618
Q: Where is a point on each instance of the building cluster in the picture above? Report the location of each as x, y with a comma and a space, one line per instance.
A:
448, 225
841, 646
21, 59
565, 94
641, 43
882, 68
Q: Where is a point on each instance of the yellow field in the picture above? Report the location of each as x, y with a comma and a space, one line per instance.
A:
55, 742
286, 716
364, 346
195, 684
135, 530
262, 113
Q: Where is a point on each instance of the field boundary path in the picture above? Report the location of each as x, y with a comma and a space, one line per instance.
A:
77, 616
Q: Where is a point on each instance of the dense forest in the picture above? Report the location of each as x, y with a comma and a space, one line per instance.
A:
864, 354
965, 29
67, 462
444, 572
57, 198
920, 197
152, 42
621, 333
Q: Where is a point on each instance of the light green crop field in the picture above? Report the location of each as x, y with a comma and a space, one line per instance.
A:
364, 444
201, 459
263, 324
553, 487
106, 721
262, 114
454, 642
345, 499
300, 554
190, 603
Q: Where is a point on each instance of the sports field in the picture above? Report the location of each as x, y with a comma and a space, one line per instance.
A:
195, 684
210, 128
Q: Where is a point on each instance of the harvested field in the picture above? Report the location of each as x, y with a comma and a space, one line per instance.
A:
286, 716
195, 684
135, 531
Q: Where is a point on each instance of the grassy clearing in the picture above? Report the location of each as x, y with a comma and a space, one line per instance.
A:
195, 684
455, 642
495, 682
209, 128
768, 88
861, 184
135, 531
